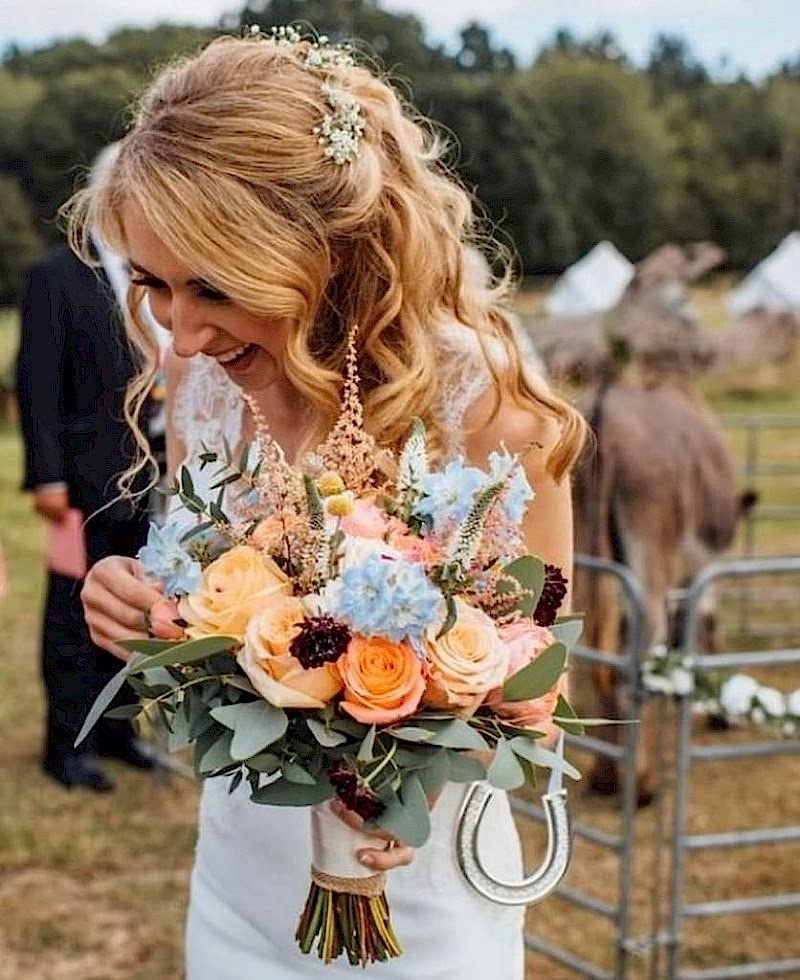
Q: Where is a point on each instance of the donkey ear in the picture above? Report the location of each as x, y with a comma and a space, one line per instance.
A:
748, 500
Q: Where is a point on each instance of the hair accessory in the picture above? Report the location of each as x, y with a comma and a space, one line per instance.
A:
342, 128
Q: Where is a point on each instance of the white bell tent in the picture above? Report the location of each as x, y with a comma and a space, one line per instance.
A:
774, 284
592, 285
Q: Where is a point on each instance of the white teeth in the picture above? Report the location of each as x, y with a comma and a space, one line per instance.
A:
231, 355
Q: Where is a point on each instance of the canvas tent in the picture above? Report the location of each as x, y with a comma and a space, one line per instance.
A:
774, 284
592, 285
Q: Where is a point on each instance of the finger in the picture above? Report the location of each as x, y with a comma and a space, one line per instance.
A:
386, 860
357, 823
105, 632
126, 618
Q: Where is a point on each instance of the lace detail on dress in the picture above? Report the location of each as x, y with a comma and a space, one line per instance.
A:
463, 377
208, 407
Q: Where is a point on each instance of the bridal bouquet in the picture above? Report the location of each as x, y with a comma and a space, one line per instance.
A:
362, 626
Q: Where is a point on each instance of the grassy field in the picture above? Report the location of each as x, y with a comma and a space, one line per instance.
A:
94, 889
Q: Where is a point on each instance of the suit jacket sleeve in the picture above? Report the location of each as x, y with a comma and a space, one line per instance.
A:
39, 379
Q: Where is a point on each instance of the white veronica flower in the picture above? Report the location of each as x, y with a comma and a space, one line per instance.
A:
736, 694
772, 701
657, 684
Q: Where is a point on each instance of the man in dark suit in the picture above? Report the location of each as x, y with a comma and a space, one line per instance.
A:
73, 369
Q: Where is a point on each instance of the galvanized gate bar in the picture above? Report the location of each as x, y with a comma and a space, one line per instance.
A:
686, 752
778, 968
628, 662
743, 838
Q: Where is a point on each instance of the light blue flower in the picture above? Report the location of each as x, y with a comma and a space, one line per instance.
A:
386, 597
448, 494
518, 492
164, 558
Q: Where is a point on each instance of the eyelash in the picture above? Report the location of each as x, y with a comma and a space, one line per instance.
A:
205, 292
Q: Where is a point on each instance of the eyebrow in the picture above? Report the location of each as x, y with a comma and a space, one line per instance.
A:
144, 272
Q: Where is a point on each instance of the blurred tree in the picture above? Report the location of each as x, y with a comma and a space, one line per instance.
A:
19, 244
673, 68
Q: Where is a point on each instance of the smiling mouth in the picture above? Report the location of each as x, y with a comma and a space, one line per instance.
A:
238, 357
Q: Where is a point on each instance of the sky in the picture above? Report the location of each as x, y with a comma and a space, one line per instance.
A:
755, 35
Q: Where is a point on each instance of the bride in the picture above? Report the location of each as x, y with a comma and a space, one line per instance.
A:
272, 193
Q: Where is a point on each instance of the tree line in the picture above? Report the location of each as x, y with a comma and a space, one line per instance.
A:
576, 146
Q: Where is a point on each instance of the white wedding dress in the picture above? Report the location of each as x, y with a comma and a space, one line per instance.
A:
251, 873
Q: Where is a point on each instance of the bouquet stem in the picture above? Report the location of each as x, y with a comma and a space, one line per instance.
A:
344, 912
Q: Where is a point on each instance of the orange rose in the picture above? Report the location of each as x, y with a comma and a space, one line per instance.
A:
465, 663
525, 642
233, 589
383, 680
278, 676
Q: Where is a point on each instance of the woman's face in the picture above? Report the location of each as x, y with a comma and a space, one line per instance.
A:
249, 348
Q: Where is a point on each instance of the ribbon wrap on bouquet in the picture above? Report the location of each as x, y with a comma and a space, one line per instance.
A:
543, 881
334, 846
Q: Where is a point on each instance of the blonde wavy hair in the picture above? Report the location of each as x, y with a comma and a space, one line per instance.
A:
223, 162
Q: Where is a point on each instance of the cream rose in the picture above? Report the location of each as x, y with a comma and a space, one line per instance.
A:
232, 590
466, 663
278, 676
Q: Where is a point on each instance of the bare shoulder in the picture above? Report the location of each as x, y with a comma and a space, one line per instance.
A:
516, 427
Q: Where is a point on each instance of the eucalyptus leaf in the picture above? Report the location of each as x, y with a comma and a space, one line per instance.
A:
325, 736
255, 724
124, 712
264, 762
505, 772
529, 573
563, 712
436, 773
365, 752
294, 773
456, 734
410, 733
465, 768
186, 653
103, 700
234, 783
451, 616
539, 756
217, 756
179, 736
567, 631
145, 646
538, 677
283, 793
408, 817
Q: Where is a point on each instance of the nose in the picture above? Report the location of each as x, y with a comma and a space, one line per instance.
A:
191, 332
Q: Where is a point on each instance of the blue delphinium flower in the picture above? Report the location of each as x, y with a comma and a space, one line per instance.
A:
517, 493
448, 494
386, 597
164, 558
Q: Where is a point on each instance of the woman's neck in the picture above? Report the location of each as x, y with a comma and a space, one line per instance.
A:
287, 414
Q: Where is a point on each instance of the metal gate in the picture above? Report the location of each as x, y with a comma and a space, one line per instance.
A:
661, 946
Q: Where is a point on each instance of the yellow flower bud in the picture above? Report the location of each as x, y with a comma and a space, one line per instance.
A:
330, 483
339, 505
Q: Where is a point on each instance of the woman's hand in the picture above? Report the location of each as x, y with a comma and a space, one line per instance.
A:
393, 854
117, 600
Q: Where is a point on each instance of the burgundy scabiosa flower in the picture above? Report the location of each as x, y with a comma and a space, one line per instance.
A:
321, 640
553, 593
355, 794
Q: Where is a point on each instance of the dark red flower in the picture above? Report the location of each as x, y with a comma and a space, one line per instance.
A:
321, 640
355, 795
553, 593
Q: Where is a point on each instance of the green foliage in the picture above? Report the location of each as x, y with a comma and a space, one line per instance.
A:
20, 245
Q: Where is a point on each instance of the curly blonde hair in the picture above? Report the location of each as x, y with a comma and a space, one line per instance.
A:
223, 162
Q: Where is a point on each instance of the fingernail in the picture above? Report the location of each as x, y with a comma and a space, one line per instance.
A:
366, 858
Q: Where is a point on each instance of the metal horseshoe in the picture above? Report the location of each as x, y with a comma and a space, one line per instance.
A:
546, 877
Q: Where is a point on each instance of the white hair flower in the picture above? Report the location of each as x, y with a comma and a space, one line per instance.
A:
736, 695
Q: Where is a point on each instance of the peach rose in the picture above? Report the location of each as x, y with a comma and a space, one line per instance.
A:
233, 589
465, 663
525, 642
163, 614
383, 680
278, 676
423, 550
365, 520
